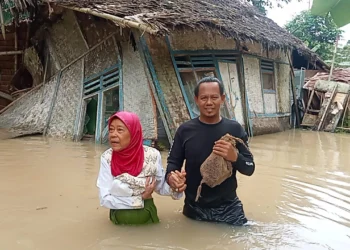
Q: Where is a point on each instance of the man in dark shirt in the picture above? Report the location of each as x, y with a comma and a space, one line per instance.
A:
194, 141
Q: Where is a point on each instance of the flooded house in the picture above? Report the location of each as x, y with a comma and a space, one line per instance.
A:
146, 56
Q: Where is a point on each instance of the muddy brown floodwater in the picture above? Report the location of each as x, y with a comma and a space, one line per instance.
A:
298, 198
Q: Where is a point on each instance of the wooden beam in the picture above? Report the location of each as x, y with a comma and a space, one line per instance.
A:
6, 96
10, 53
121, 21
325, 113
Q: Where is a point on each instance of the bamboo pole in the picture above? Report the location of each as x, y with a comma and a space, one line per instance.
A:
10, 53
119, 20
2, 22
333, 60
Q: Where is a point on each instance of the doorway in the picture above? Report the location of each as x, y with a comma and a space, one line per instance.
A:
111, 98
229, 75
90, 121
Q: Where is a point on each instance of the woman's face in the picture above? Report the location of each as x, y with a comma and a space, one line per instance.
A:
119, 135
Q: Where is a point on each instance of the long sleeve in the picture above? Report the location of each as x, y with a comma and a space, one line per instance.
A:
176, 155
107, 186
162, 187
245, 162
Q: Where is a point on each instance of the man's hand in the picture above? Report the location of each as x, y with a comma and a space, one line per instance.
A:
177, 181
226, 150
149, 188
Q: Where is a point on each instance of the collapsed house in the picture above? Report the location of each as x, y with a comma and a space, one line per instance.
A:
98, 57
327, 101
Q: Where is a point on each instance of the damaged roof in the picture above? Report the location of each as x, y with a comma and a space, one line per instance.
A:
231, 18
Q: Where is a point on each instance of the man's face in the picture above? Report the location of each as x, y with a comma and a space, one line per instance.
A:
209, 99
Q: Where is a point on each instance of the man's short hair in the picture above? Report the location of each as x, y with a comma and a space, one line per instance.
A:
209, 79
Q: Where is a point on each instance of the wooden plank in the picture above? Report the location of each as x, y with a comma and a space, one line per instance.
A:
6, 96
345, 110
325, 86
324, 114
294, 92
14, 52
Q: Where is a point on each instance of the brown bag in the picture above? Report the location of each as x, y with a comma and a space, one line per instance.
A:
215, 169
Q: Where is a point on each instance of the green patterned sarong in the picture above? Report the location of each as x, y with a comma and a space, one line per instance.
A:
146, 215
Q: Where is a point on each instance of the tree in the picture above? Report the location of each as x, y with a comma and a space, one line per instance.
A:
342, 58
318, 33
262, 5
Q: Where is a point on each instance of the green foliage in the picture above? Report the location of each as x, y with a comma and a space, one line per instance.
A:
342, 58
318, 33
262, 5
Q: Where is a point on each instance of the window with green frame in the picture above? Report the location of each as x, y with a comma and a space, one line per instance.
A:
192, 68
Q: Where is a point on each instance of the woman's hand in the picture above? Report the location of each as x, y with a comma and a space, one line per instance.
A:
149, 188
177, 180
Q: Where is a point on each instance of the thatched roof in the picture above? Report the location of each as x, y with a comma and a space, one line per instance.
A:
231, 18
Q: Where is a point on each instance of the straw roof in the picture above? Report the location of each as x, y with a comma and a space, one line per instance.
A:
231, 18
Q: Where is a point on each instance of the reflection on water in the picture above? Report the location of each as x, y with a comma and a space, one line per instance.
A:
298, 198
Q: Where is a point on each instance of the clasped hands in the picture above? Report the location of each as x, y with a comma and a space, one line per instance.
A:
177, 180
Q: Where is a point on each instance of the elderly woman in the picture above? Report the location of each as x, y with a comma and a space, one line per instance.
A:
129, 173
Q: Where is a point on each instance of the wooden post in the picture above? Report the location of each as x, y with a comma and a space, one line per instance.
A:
2, 22
327, 107
345, 110
16, 48
294, 92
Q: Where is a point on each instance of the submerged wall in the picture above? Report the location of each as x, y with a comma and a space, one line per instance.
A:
29, 114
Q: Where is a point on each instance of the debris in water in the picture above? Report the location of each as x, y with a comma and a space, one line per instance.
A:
41, 208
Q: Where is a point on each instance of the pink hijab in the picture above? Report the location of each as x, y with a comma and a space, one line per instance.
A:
129, 160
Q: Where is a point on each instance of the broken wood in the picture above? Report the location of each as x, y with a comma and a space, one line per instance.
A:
10, 53
65, 67
327, 107
121, 21
15, 101
345, 110
6, 96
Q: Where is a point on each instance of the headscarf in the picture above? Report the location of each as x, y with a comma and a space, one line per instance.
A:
129, 160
